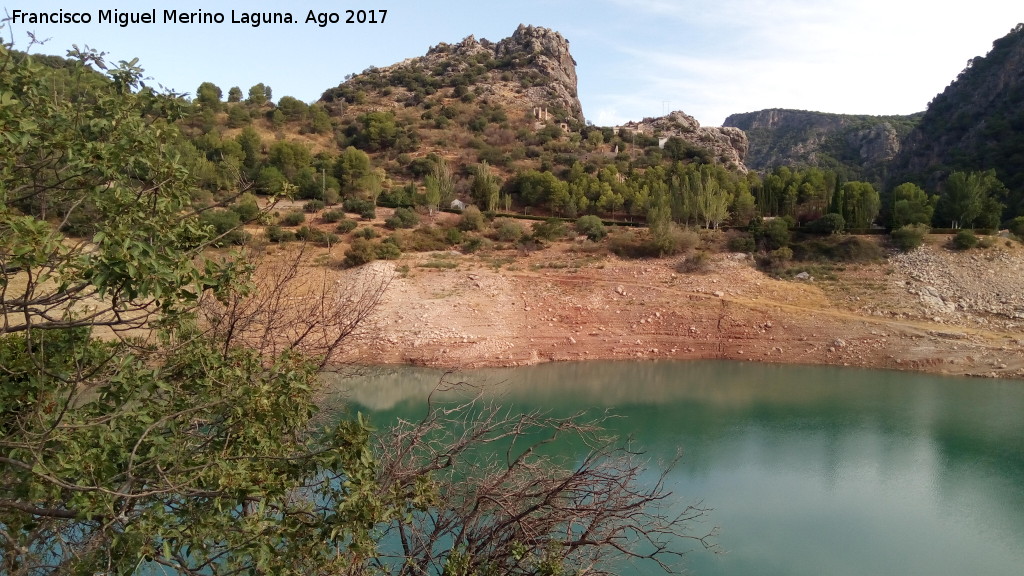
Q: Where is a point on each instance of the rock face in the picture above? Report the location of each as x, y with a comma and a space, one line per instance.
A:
726, 145
977, 123
547, 52
530, 70
861, 144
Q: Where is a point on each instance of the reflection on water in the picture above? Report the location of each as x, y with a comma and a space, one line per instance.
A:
810, 470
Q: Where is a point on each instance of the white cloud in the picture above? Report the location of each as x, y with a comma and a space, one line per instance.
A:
852, 56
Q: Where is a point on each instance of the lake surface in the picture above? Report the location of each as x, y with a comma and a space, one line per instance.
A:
809, 470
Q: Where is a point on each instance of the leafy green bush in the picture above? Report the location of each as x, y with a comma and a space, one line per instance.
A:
424, 239
591, 227
361, 252
475, 244
907, 238
830, 223
292, 219
453, 236
1016, 227
741, 243
247, 208
275, 233
332, 216
771, 234
784, 254
313, 206
508, 230
550, 229
388, 250
345, 226
367, 233
226, 226
965, 240
472, 219
360, 206
402, 218
316, 236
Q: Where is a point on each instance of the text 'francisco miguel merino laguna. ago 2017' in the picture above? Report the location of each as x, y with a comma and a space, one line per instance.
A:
153, 16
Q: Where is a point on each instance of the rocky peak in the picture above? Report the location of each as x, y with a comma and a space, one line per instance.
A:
533, 68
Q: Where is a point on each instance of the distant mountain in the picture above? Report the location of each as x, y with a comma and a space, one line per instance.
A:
977, 123
856, 146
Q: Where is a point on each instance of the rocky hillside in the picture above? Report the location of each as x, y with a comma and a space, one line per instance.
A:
727, 145
511, 103
530, 69
857, 146
977, 123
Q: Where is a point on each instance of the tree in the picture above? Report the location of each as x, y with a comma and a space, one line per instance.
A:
744, 206
440, 185
155, 404
860, 204
208, 95
523, 513
234, 94
258, 95
485, 188
591, 227
969, 196
350, 167
294, 110
912, 205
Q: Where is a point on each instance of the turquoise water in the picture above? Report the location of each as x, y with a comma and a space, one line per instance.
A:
809, 470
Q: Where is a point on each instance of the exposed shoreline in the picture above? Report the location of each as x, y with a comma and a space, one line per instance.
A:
558, 304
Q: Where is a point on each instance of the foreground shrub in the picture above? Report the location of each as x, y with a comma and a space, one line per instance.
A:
591, 227
771, 234
696, 263
508, 230
475, 244
549, 230
226, 226
388, 250
472, 220
345, 226
1016, 227
361, 252
965, 240
367, 233
277, 234
332, 216
741, 243
402, 218
293, 219
907, 238
313, 206
830, 223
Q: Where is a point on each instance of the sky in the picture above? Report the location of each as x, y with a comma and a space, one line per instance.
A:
635, 58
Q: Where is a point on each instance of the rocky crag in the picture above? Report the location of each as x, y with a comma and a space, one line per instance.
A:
857, 146
532, 71
725, 145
